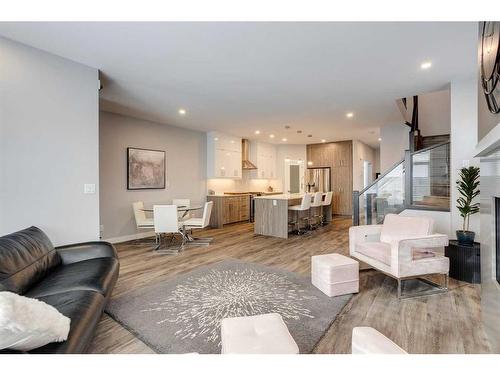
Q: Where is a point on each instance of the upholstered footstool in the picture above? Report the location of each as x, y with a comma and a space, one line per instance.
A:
258, 334
367, 340
335, 274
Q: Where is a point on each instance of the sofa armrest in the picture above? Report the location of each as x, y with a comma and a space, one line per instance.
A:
362, 233
86, 250
402, 250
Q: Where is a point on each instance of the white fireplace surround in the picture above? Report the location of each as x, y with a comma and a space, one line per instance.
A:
490, 288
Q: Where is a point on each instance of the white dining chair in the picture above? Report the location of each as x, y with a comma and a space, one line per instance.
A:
142, 222
326, 202
304, 206
166, 222
198, 223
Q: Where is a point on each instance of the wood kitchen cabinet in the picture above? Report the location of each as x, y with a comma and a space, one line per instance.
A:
229, 209
337, 156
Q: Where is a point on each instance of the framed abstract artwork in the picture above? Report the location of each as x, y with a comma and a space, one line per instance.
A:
146, 169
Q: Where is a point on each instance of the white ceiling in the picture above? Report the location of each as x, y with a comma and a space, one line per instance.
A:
240, 77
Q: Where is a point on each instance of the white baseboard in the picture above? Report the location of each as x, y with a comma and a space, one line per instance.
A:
131, 237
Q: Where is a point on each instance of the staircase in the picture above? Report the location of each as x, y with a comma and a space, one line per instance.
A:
420, 181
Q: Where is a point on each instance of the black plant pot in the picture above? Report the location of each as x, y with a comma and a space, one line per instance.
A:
465, 237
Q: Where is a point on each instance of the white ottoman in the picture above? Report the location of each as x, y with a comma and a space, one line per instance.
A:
335, 274
367, 340
258, 334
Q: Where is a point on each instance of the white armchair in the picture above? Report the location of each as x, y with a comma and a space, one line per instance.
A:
403, 248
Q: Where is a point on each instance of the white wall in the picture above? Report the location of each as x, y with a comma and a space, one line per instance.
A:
434, 113
393, 145
463, 142
360, 153
186, 168
48, 144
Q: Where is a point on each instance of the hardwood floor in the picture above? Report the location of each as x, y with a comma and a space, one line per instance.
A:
446, 323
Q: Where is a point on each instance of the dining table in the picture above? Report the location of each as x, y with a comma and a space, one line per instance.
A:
185, 210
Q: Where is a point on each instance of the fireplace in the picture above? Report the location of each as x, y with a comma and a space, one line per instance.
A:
490, 245
497, 238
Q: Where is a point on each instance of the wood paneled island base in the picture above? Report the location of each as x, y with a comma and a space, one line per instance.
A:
271, 214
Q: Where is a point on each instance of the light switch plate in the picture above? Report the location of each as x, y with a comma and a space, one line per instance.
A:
89, 189
275, 202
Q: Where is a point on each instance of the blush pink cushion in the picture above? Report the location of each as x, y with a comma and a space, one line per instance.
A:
380, 251
398, 227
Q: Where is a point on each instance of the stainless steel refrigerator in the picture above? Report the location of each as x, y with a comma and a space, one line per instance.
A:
318, 179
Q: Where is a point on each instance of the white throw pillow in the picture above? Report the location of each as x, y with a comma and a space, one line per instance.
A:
26, 323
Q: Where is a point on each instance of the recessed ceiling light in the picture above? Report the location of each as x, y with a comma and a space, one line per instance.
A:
257, 132
323, 140
349, 115
309, 135
379, 139
426, 65
309, 163
182, 111
271, 135
287, 126
299, 131
287, 160
284, 139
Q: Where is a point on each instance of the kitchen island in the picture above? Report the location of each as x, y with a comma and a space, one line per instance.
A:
271, 214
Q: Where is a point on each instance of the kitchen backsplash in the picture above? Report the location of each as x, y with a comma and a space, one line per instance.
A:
221, 185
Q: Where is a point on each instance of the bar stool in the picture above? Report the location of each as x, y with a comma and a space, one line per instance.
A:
317, 209
326, 202
304, 206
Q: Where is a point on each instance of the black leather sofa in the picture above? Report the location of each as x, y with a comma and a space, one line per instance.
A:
76, 279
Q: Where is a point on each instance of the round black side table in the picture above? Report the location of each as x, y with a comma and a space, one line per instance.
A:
465, 261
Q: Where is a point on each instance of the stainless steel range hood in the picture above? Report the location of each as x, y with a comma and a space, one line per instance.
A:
245, 152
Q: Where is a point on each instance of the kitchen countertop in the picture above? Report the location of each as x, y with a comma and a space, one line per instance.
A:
256, 192
283, 196
228, 195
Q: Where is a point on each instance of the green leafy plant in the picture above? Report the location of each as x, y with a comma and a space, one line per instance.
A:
468, 187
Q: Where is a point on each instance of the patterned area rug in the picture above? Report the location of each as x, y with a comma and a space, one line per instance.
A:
183, 315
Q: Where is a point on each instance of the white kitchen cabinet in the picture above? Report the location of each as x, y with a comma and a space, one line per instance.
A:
264, 156
223, 156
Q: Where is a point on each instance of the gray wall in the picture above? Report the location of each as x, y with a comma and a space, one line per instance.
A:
48, 144
186, 168
394, 142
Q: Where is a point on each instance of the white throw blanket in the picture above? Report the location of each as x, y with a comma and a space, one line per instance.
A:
27, 323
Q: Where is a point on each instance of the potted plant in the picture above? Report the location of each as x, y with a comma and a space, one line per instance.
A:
468, 187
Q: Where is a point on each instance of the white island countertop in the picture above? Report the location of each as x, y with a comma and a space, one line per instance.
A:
281, 196
284, 196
